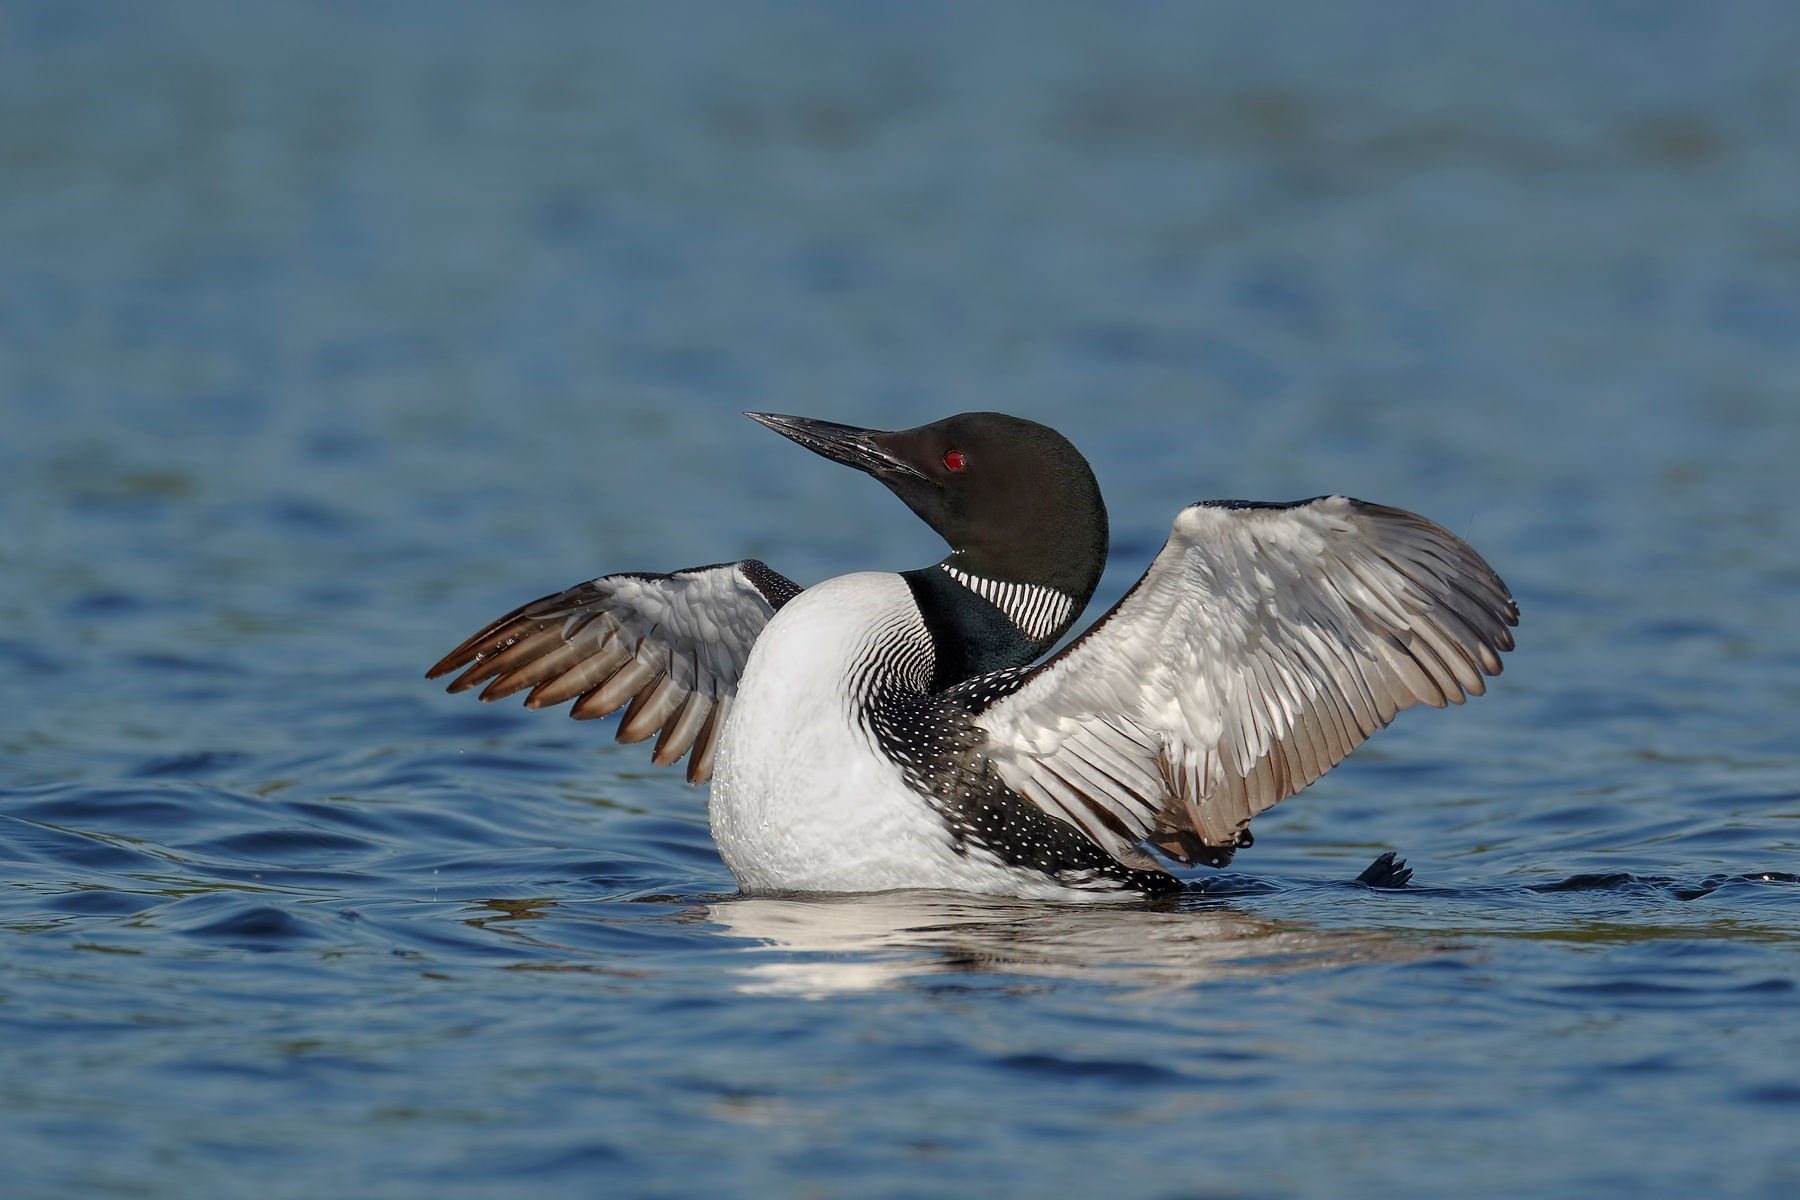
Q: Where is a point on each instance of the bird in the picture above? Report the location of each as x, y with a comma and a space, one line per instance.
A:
911, 730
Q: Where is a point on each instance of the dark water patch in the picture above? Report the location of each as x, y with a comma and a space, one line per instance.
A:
475, 721
1651, 1064
45, 843
578, 1164
1203, 889
1652, 885
156, 664
684, 844
208, 874
441, 825
1067, 1069
474, 762
102, 605
441, 940
29, 659
692, 853
237, 922
307, 517
1674, 629
121, 808
1573, 815
297, 1072
1409, 770
288, 847
1723, 839
1655, 994
254, 929
96, 902
197, 764
583, 930
1783, 1095
494, 871
371, 819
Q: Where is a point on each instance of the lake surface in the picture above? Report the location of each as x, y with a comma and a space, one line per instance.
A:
328, 332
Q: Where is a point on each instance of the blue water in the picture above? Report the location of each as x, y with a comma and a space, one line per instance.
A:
329, 331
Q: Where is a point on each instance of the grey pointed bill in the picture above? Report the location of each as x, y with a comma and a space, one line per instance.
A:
847, 444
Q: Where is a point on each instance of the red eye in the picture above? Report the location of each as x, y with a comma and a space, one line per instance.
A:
954, 460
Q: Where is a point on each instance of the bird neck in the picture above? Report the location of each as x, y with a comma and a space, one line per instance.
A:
990, 613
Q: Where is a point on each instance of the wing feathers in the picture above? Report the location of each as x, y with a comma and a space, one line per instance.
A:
585, 675
651, 709
672, 646
1264, 644
611, 695
700, 766
560, 658
523, 644
678, 735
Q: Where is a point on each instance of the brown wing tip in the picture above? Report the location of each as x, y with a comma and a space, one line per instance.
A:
706, 743
469, 649
445, 665
500, 688
472, 648
599, 685
471, 652
464, 682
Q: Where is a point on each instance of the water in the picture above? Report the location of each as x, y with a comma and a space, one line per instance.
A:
330, 331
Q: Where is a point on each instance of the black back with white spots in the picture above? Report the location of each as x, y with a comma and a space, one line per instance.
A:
938, 748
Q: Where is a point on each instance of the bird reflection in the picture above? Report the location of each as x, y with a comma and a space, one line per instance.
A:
818, 946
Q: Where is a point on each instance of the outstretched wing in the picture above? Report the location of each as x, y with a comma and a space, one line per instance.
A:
673, 646
1264, 644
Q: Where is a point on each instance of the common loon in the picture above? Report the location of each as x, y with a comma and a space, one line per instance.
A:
883, 730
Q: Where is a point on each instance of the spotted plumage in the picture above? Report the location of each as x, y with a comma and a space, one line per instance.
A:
938, 748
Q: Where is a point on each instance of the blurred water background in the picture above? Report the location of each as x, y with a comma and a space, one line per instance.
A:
329, 331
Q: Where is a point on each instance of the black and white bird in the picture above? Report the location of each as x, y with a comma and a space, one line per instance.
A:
884, 730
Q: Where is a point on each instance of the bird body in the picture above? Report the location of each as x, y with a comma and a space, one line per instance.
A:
882, 731
803, 799
798, 800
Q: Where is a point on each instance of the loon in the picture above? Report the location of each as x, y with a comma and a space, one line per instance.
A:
898, 730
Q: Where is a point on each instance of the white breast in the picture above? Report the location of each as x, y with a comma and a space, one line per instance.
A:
802, 799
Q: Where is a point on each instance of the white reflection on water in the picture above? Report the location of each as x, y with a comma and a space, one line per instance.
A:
818, 947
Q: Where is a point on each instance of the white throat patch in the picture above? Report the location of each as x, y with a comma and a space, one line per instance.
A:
1038, 611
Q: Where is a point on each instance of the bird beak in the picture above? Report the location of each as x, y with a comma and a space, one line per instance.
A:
859, 448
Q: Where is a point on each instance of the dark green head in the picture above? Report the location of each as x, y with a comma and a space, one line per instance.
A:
1015, 500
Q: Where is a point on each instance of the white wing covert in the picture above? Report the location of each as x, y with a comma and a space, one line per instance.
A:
674, 646
1264, 643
